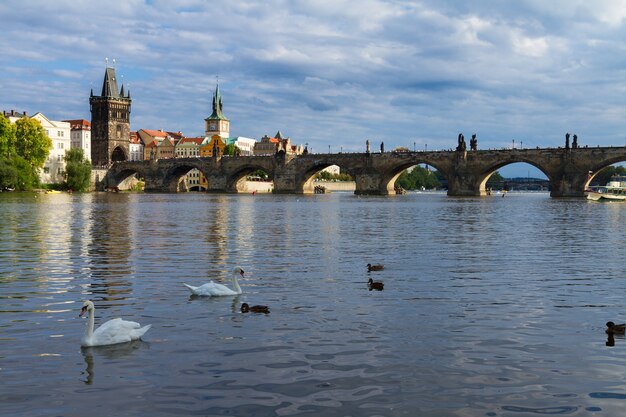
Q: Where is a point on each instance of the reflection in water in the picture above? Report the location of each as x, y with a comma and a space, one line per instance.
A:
109, 352
110, 246
489, 305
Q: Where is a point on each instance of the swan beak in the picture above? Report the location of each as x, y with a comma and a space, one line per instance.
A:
82, 311
242, 272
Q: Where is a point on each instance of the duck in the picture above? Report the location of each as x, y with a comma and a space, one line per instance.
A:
212, 289
255, 309
615, 328
377, 267
375, 285
110, 333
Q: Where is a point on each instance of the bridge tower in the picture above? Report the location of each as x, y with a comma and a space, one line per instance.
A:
110, 122
217, 123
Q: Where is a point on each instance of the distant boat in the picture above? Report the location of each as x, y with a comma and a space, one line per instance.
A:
614, 190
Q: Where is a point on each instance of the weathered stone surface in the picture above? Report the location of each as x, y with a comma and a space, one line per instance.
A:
375, 173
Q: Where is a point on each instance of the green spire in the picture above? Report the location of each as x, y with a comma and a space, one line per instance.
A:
217, 106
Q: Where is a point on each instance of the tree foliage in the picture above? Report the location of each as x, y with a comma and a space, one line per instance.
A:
17, 173
232, 150
417, 178
24, 148
31, 141
605, 174
7, 137
496, 181
327, 176
77, 170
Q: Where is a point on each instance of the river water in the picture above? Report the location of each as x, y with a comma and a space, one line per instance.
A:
491, 307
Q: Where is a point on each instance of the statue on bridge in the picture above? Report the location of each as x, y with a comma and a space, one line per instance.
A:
474, 143
382, 147
367, 146
567, 141
575, 142
461, 147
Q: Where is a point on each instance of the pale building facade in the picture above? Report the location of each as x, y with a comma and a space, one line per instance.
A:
60, 133
245, 145
135, 149
81, 136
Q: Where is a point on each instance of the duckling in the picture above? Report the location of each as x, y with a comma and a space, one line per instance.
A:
615, 328
255, 309
375, 285
377, 267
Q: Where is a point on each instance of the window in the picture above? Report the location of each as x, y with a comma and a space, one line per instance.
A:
59, 158
46, 170
60, 171
60, 133
60, 145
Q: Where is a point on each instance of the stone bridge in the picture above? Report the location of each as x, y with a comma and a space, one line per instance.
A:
467, 172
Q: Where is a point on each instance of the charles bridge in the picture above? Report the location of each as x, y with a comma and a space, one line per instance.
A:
568, 170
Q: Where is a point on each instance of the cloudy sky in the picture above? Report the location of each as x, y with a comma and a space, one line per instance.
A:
332, 72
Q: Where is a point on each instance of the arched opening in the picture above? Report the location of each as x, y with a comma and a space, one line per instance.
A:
118, 155
126, 180
185, 178
604, 175
419, 178
327, 178
607, 184
251, 179
516, 177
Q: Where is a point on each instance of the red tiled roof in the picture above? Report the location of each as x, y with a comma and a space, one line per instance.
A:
155, 133
79, 124
197, 141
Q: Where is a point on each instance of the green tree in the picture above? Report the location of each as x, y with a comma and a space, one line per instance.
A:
77, 170
231, 150
17, 173
31, 141
496, 181
7, 137
605, 174
417, 178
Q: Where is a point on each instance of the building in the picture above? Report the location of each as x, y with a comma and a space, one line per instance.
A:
150, 139
135, 148
81, 135
165, 149
60, 133
213, 146
217, 123
271, 145
110, 122
245, 145
190, 148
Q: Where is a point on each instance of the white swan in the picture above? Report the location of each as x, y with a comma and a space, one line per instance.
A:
109, 333
214, 290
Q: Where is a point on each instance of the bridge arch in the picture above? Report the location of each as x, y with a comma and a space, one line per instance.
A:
305, 182
484, 176
596, 169
236, 181
389, 178
173, 179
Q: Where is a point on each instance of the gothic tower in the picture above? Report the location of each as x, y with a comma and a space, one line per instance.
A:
217, 123
110, 122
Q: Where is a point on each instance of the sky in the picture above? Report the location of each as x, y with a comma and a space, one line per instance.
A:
332, 73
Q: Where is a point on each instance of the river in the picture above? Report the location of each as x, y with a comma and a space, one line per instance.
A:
491, 306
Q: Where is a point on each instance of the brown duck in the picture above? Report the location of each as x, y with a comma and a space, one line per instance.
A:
375, 285
615, 328
245, 308
377, 267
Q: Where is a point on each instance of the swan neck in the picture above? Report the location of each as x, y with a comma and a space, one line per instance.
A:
236, 284
90, 324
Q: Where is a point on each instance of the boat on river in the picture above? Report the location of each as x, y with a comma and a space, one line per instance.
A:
614, 190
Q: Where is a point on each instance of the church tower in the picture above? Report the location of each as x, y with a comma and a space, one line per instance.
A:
110, 122
217, 123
